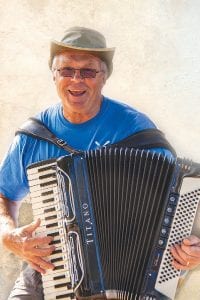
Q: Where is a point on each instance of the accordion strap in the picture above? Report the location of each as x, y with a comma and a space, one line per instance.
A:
36, 129
145, 139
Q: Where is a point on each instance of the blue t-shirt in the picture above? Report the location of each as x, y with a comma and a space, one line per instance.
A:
114, 122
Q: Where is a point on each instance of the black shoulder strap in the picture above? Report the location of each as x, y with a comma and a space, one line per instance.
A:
35, 128
145, 139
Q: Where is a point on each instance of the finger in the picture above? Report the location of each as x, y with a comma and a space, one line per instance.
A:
193, 251
191, 240
36, 267
178, 256
179, 266
37, 241
43, 252
29, 229
188, 262
45, 265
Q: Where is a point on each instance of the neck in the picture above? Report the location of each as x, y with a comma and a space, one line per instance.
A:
78, 117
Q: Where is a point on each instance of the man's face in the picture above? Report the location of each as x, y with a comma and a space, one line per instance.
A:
81, 97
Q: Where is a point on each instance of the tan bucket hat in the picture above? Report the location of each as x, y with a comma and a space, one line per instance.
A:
84, 40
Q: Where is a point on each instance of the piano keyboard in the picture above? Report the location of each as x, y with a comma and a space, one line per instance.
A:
47, 206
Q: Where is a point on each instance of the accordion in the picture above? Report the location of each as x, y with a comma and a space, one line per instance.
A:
114, 214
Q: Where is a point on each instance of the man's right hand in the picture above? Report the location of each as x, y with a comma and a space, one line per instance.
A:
33, 250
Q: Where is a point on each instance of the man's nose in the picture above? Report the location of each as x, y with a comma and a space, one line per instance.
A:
77, 75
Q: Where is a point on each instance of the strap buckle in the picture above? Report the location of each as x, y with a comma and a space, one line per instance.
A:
60, 142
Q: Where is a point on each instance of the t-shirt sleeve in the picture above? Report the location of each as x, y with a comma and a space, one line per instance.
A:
133, 122
13, 179
142, 122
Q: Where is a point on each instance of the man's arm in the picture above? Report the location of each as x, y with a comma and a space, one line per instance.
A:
20, 241
9, 212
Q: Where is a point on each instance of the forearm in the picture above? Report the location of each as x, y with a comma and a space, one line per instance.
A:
7, 218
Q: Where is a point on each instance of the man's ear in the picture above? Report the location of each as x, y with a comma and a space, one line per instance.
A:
104, 78
53, 69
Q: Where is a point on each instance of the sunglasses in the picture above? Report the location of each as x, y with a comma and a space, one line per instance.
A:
84, 72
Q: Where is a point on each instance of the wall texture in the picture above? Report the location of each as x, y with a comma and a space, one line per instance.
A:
156, 68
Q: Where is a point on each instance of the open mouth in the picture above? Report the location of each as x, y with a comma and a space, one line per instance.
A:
76, 93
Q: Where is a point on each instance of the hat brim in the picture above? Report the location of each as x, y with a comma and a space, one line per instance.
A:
105, 54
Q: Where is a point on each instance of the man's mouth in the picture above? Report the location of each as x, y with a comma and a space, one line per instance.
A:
76, 93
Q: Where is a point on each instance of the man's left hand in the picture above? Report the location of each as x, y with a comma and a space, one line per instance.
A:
187, 254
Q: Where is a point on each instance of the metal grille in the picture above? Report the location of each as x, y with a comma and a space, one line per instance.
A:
181, 228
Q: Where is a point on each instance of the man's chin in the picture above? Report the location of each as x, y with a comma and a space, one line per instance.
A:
77, 99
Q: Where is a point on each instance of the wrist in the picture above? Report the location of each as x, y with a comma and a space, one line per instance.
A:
10, 239
7, 228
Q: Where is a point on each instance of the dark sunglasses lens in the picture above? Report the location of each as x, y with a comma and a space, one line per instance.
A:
88, 73
67, 72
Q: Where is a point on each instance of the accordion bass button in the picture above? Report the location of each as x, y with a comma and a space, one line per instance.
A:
173, 198
170, 210
167, 221
162, 242
164, 231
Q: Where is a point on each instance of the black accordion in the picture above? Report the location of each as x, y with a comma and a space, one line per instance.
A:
114, 214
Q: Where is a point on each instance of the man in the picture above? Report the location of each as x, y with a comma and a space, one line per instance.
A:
80, 64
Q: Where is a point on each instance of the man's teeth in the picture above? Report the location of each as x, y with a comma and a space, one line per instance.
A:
76, 93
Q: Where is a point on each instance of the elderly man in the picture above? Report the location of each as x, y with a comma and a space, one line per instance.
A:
80, 64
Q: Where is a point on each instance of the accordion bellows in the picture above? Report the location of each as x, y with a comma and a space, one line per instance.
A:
118, 211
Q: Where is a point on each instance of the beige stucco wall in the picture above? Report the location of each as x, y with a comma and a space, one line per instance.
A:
156, 69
